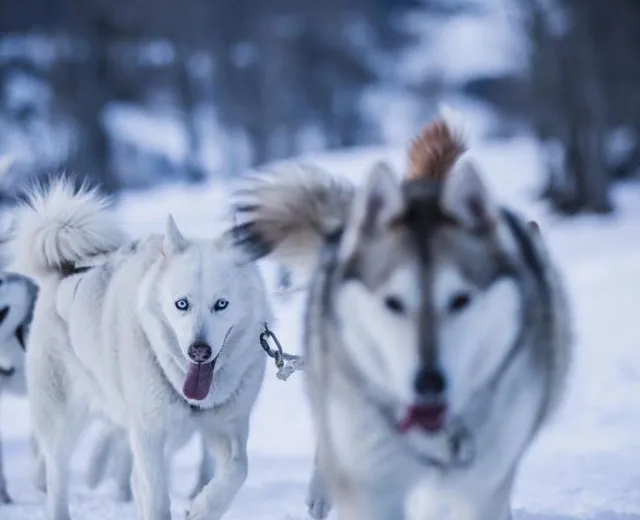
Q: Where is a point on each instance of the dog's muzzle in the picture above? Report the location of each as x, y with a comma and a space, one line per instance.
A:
429, 411
199, 352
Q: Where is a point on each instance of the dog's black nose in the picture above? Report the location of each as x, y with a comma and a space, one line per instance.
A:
199, 352
430, 382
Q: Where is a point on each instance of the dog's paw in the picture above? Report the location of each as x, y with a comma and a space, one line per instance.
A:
319, 507
318, 497
193, 513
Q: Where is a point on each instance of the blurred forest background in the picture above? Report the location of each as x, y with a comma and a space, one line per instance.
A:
134, 93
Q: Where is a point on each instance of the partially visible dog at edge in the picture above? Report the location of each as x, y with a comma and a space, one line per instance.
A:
160, 336
17, 298
437, 328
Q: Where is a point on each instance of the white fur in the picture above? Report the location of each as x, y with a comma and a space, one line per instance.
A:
62, 224
384, 343
120, 350
468, 360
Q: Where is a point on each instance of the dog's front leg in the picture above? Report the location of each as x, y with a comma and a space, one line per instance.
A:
229, 448
205, 472
150, 488
355, 502
123, 468
490, 504
318, 496
4, 494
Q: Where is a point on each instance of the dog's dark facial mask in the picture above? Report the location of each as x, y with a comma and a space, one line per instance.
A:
378, 291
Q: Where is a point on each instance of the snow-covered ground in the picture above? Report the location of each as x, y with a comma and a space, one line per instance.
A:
586, 465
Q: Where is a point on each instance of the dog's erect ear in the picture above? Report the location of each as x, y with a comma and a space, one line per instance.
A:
376, 205
174, 242
466, 199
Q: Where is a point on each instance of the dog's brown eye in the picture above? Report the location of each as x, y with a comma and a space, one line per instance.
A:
459, 302
394, 304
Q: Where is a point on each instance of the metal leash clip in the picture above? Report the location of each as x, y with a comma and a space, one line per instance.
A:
287, 364
277, 354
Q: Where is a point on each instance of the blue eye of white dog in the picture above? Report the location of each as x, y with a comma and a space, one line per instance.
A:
182, 304
220, 304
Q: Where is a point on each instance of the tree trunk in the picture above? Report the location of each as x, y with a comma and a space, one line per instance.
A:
189, 107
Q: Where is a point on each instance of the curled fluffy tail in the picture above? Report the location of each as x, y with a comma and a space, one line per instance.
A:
290, 211
60, 226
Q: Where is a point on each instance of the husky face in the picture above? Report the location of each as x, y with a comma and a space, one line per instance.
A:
425, 276
200, 304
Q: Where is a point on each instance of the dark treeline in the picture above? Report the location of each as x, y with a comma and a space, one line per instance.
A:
580, 94
131, 92
271, 71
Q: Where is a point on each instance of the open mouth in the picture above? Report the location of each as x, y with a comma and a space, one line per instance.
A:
427, 417
4, 312
197, 382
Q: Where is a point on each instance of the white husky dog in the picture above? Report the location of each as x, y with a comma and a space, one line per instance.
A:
162, 339
110, 456
17, 298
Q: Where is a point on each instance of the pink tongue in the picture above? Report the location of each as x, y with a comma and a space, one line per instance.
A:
198, 381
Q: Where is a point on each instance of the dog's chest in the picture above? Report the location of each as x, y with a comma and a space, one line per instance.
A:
361, 444
364, 445
180, 431
503, 432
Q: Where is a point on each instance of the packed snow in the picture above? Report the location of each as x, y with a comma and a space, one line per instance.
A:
585, 465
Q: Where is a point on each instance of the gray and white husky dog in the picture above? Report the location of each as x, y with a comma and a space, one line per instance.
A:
161, 338
17, 298
437, 336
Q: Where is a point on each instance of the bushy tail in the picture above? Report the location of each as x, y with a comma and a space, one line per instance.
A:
289, 211
60, 226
